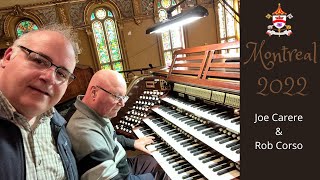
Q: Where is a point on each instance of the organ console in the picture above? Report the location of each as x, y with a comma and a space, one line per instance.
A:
192, 110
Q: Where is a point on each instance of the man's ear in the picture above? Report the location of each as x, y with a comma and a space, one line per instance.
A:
93, 91
6, 57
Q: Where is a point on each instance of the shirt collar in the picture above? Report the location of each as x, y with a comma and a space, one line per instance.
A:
83, 108
9, 112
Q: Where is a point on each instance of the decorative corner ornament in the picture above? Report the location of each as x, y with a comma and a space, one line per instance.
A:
137, 20
279, 19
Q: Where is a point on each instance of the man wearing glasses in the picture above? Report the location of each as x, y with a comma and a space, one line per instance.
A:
98, 149
34, 74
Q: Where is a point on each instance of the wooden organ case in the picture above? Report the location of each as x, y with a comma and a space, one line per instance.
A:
193, 111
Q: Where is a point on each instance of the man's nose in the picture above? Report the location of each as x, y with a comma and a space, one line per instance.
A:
49, 75
121, 103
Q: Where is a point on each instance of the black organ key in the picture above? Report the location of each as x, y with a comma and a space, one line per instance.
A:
202, 127
221, 115
215, 134
196, 149
165, 150
226, 170
195, 177
235, 147
225, 140
200, 152
205, 156
186, 142
221, 166
232, 144
178, 115
168, 153
192, 147
210, 159
180, 164
235, 120
190, 175
185, 169
217, 163
185, 119
221, 137
172, 132
160, 146
174, 158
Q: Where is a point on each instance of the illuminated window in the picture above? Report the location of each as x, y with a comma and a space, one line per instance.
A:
106, 39
229, 29
25, 26
173, 39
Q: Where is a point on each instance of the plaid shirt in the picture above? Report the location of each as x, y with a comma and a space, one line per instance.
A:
42, 158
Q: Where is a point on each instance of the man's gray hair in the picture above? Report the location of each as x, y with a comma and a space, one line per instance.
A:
66, 31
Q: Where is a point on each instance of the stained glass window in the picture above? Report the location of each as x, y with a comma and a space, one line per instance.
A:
106, 66
228, 27
165, 3
106, 39
118, 66
110, 14
101, 13
100, 42
175, 34
112, 39
168, 58
92, 16
162, 14
173, 39
25, 26
166, 41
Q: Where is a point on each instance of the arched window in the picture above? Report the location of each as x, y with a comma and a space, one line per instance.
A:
229, 29
173, 39
106, 39
24, 26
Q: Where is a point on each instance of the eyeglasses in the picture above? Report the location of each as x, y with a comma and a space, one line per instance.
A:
117, 98
41, 62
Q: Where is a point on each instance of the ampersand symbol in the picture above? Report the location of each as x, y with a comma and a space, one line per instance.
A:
278, 131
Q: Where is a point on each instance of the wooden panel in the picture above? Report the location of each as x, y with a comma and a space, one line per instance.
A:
232, 75
232, 56
190, 58
188, 65
235, 65
190, 72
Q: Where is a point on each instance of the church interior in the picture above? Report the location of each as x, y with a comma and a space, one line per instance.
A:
192, 71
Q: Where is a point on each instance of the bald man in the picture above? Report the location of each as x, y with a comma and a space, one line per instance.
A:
98, 149
34, 74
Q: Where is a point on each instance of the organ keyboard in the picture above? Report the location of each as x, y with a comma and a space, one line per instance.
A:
193, 111
208, 162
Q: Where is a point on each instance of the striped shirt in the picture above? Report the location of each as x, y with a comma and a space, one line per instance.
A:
42, 158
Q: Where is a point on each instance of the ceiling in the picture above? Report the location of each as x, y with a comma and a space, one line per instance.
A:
8, 3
